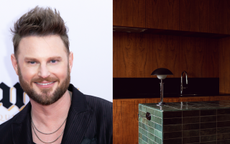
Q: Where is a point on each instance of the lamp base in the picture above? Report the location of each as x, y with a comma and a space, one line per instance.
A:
160, 104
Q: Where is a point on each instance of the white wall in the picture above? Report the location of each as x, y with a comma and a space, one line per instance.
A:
90, 34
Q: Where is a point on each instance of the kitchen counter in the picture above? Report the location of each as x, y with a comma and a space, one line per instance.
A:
176, 95
187, 122
182, 106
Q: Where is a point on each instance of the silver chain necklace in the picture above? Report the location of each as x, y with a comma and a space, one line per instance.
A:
34, 127
44, 141
46, 133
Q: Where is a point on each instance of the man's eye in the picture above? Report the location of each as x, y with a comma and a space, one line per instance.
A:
53, 61
31, 62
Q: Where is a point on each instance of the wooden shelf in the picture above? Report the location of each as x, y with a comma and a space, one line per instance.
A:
168, 32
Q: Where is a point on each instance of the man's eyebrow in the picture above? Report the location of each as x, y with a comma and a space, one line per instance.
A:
55, 57
35, 59
29, 59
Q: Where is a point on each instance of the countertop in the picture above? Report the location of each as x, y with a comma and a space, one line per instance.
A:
182, 106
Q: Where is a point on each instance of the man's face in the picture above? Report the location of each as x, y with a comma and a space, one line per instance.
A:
43, 67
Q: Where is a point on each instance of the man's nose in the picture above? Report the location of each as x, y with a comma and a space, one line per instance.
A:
43, 71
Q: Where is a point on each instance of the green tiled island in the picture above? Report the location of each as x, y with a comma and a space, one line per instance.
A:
185, 123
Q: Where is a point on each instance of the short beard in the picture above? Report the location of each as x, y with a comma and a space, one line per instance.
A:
44, 98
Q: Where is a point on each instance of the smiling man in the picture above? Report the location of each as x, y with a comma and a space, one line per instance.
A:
57, 111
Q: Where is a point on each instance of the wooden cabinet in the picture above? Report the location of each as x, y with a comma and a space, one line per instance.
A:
226, 17
206, 16
161, 14
129, 13
194, 15
216, 12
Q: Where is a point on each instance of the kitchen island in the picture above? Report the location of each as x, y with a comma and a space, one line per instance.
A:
185, 122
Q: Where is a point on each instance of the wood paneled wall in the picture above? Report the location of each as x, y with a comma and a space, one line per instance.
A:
129, 13
138, 54
194, 15
162, 15
125, 116
224, 66
210, 16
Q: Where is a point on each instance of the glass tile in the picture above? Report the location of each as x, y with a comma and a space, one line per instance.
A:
139, 134
157, 120
145, 127
173, 141
223, 142
208, 131
140, 141
223, 124
224, 117
207, 138
151, 130
172, 128
190, 126
191, 133
144, 132
191, 120
151, 136
172, 114
158, 127
152, 124
172, 135
223, 130
158, 140
140, 106
145, 121
223, 111
224, 136
151, 142
208, 119
207, 125
158, 114
150, 110
158, 134
207, 112
172, 121
191, 140
192, 113
145, 138
213, 142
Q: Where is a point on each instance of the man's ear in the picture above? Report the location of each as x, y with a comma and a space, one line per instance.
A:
70, 61
14, 63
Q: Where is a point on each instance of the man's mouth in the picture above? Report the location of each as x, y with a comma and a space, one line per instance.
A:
44, 84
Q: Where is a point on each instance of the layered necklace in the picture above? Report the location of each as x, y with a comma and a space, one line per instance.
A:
36, 129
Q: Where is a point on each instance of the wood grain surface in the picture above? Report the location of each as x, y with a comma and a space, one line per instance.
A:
162, 14
129, 13
224, 66
211, 16
226, 17
216, 13
189, 15
203, 15
138, 54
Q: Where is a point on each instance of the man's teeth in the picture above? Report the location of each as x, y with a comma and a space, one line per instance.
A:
45, 83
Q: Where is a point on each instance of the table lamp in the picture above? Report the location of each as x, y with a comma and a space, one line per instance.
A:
161, 74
